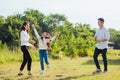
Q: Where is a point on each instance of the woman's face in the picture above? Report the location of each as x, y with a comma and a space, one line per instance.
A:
27, 27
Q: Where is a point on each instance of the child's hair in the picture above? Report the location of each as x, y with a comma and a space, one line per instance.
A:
48, 35
48, 43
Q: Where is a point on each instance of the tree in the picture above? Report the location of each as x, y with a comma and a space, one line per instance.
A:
73, 40
115, 37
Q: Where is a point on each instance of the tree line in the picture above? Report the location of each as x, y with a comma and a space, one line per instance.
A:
73, 40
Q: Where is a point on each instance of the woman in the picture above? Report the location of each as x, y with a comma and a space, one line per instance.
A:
43, 47
25, 43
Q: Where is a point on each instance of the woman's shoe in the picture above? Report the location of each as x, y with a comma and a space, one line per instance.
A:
20, 74
30, 74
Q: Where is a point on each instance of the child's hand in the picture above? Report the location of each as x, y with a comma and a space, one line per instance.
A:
33, 25
56, 33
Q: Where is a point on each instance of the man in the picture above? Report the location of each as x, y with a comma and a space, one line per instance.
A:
102, 37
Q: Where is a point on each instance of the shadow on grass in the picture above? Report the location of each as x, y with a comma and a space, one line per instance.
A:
110, 62
26, 78
74, 77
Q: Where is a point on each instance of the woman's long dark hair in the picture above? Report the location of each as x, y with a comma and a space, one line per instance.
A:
23, 27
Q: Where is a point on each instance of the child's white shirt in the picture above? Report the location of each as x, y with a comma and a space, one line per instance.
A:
43, 42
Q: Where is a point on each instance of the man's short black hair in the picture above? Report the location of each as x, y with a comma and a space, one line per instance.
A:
101, 19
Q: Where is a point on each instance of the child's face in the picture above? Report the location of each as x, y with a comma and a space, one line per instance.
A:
44, 34
48, 35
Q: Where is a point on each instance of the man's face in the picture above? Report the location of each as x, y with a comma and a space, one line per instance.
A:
100, 23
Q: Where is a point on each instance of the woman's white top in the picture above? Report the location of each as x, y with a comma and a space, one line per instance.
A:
42, 42
24, 38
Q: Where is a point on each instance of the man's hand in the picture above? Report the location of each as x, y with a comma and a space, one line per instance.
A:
98, 41
103, 40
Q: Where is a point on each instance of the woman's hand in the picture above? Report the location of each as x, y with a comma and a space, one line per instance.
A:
32, 41
33, 47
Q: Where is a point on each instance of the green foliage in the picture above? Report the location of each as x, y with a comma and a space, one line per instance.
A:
72, 41
115, 37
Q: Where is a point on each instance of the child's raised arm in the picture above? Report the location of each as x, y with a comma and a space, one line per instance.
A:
36, 33
53, 38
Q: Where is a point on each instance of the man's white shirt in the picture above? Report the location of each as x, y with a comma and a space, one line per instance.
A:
102, 33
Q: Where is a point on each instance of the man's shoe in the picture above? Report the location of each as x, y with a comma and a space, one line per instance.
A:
30, 74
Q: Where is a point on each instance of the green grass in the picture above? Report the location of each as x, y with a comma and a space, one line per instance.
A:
64, 69
12, 56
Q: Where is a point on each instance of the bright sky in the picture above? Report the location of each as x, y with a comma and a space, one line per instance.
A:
81, 11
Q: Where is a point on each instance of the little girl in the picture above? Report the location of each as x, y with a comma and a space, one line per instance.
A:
44, 46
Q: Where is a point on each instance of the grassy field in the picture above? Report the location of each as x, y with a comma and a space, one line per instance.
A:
64, 69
